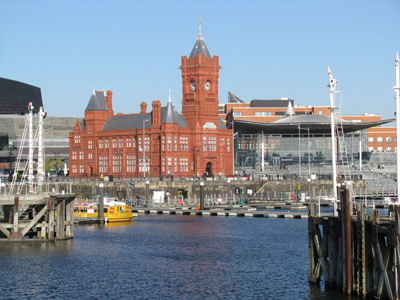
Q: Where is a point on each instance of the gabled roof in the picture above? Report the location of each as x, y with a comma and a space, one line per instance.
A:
98, 101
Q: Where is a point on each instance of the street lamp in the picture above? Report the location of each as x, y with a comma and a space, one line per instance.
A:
144, 150
233, 143
195, 154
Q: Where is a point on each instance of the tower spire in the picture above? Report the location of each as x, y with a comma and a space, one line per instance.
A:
169, 96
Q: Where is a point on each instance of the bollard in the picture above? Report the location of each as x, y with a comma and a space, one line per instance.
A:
201, 195
101, 202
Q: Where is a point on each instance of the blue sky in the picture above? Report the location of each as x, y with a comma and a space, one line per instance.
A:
267, 49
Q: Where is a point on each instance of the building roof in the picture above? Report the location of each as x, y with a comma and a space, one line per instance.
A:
122, 122
316, 124
98, 101
15, 97
270, 103
135, 121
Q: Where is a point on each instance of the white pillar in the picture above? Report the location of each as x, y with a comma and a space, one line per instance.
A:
40, 169
30, 155
332, 90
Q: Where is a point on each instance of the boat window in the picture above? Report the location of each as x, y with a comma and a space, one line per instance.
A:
105, 210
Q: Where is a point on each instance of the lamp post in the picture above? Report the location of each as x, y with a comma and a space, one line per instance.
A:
233, 144
144, 150
196, 153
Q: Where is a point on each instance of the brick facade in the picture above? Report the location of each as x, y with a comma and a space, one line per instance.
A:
160, 142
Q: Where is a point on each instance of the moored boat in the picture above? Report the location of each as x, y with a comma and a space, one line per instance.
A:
114, 211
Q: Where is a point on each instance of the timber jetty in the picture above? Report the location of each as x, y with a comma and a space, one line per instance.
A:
37, 217
357, 250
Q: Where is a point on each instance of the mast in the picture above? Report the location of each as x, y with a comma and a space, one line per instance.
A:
30, 155
397, 91
40, 170
332, 90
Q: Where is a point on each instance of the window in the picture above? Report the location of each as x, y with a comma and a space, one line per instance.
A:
379, 139
237, 114
184, 141
212, 143
228, 145
77, 139
388, 139
103, 164
129, 142
379, 149
320, 112
263, 113
204, 143
81, 169
90, 144
90, 155
121, 142
101, 144
183, 164
81, 155
74, 155
370, 139
131, 163
117, 163
114, 143
371, 149
74, 169
107, 143
389, 149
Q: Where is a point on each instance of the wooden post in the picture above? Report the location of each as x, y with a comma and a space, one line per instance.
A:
397, 251
60, 234
15, 234
69, 219
315, 267
51, 207
346, 239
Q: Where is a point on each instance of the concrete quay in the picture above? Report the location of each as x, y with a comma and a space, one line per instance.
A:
221, 212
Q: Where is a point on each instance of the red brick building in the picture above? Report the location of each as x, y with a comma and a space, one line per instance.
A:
160, 142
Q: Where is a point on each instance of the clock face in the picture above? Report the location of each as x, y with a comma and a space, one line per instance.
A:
207, 85
193, 86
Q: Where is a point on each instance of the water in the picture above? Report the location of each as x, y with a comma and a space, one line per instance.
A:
166, 257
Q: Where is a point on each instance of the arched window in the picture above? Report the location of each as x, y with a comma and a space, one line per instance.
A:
107, 143
101, 144
121, 142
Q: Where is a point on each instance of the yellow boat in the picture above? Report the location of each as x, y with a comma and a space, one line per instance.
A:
112, 212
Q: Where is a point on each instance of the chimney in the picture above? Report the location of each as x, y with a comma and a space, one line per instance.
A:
143, 108
156, 113
109, 102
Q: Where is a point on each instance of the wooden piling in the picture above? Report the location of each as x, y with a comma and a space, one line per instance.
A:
357, 253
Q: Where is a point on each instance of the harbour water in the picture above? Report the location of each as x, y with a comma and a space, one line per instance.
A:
166, 257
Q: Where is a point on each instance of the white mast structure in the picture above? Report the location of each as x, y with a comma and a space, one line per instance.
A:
397, 91
332, 91
40, 170
30, 155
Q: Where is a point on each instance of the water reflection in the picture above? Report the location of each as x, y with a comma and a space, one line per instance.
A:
162, 257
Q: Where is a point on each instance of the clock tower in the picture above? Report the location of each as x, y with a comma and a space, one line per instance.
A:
200, 74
